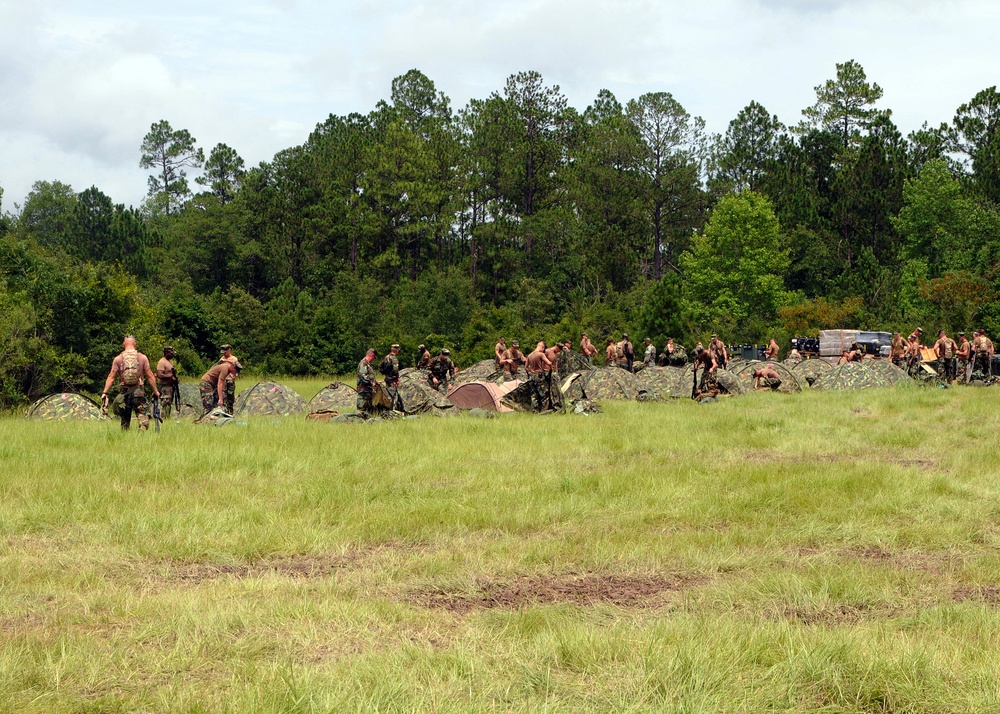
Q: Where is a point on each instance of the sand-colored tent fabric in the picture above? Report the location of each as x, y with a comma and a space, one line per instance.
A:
64, 406
482, 395
334, 397
269, 399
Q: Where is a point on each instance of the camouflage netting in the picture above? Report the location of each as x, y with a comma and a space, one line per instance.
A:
570, 361
190, 401
334, 397
788, 381
269, 399
65, 406
417, 395
853, 375
893, 374
809, 370
610, 383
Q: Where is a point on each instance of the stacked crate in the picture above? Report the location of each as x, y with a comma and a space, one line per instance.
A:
833, 343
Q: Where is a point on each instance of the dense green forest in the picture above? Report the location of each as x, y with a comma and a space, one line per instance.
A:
515, 215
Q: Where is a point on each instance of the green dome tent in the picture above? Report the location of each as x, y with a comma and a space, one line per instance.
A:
893, 374
334, 397
610, 383
190, 401
65, 406
417, 395
661, 382
484, 371
852, 375
808, 371
269, 399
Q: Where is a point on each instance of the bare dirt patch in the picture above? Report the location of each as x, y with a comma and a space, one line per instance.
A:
835, 615
572, 588
989, 594
293, 566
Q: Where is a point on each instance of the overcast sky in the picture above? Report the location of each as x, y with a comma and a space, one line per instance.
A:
82, 81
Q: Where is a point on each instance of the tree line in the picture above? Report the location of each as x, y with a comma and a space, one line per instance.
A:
516, 215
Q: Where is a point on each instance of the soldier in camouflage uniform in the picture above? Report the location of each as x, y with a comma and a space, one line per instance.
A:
946, 348
983, 348
424, 359
649, 356
366, 385
390, 370
552, 378
537, 367
442, 369
212, 386
129, 368
962, 355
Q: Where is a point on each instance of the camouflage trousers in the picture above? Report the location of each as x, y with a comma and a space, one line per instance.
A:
983, 364
364, 401
133, 400
209, 396
771, 383
538, 389
554, 395
166, 389
393, 388
229, 400
947, 368
441, 386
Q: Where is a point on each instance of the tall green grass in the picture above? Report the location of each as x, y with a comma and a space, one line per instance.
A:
830, 552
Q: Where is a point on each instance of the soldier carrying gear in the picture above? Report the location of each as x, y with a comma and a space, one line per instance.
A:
129, 368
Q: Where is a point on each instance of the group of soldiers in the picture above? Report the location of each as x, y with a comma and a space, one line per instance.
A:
131, 368
956, 361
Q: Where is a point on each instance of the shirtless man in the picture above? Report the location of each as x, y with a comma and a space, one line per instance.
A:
166, 379
766, 378
424, 358
587, 348
854, 354
912, 355
537, 366
611, 353
897, 350
706, 360
227, 356
129, 368
963, 355
772, 350
552, 377
946, 348
498, 351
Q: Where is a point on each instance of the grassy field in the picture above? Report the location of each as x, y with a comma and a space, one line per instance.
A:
819, 552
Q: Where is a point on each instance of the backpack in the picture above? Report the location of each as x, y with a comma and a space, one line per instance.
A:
131, 374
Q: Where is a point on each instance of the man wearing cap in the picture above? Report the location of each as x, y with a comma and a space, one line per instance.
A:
441, 371
366, 384
166, 379
212, 386
390, 370
649, 356
227, 356
512, 359
718, 349
129, 368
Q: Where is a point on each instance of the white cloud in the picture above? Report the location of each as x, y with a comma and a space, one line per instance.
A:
82, 82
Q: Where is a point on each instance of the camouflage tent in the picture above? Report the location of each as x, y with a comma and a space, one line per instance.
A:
65, 406
190, 401
730, 383
852, 375
269, 399
334, 397
571, 361
893, 374
610, 383
788, 381
484, 371
791, 362
660, 382
809, 370
678, 359
417, 395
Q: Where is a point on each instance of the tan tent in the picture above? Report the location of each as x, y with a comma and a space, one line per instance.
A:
482, 395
